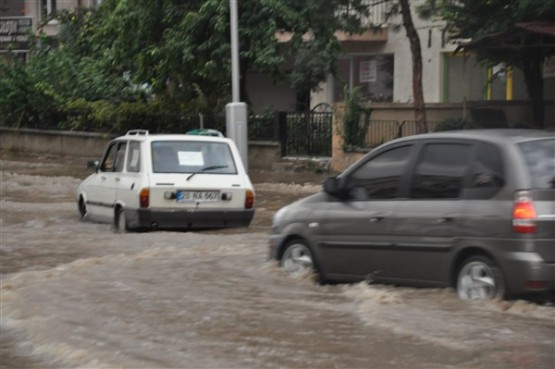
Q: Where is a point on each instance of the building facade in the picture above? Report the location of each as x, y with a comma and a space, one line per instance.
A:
19, 18
380, 63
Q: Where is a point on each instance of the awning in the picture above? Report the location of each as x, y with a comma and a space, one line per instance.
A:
528, 35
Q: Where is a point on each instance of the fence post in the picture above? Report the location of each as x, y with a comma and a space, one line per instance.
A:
280, 130
400, 129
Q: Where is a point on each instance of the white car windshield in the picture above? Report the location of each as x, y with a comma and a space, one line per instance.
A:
192, 157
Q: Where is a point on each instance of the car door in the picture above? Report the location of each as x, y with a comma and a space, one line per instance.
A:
101, 191
131, 179
355, 232
430, 219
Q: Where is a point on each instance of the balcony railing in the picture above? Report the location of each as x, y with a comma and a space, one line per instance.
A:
376, 12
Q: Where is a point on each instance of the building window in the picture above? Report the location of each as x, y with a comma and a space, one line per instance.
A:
48, 9
373, 73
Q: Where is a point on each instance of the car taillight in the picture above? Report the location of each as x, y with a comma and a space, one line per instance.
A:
144, 198
524, 213
249, 199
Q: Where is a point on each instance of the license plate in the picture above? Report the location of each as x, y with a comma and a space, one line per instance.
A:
198, 196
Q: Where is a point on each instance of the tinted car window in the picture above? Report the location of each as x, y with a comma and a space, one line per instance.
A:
380, 177
487, 174
440, 171
540, 159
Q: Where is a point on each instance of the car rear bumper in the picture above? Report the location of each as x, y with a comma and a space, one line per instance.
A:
188, 219
528, 273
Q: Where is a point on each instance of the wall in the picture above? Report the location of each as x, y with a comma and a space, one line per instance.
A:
261, 154
53, 142
515, 112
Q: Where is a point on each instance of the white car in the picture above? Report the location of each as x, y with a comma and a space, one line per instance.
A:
172, 181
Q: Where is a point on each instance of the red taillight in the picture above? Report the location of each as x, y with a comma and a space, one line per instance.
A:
249, 199
524, 213
144, 198
537, 285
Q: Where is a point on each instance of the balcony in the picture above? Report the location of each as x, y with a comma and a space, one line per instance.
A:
376, 20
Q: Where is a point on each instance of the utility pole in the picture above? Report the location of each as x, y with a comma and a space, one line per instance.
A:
236, 111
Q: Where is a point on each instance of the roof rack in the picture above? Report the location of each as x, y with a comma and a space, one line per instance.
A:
205, 132
137, 132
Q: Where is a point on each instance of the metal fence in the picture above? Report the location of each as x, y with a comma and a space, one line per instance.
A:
300, 134
308, 134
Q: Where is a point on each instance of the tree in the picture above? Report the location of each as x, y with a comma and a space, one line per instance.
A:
177, 53
404, 8
474, 19
416, 52
182, 48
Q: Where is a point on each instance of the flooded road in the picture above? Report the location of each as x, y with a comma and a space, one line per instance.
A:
75, 294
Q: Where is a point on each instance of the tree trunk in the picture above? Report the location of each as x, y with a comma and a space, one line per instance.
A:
416, 51
532, 64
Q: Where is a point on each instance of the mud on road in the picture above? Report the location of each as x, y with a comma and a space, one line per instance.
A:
75, 294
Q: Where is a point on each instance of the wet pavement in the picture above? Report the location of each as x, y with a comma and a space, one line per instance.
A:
74, 294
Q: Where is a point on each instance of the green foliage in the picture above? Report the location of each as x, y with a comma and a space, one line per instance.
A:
105, 116
473, 19
25, 101
123, 55
355, 121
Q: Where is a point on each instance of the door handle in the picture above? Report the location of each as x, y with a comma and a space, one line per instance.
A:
444, 220
376, 219
103, 178
116, 179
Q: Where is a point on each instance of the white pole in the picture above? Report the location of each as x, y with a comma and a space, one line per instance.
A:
236, 111
234, 51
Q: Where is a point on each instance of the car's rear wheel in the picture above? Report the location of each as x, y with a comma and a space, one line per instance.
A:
297, 259
479, 279
82, 206
120, 221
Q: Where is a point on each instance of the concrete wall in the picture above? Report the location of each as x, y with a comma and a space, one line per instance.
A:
53, 142
515, 112
261, 154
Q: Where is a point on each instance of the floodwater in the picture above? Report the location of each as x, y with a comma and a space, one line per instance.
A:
76, 295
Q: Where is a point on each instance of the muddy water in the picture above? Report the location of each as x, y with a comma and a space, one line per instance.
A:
74, 295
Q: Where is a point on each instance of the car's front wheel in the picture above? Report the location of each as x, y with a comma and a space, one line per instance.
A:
479, 279
297, 259
82, 207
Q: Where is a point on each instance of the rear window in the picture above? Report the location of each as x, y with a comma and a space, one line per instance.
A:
192, 156
540, 159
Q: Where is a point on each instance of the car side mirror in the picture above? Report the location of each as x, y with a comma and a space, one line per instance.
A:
334, 186
93, 165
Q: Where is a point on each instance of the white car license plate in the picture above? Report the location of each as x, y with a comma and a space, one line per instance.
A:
198, 196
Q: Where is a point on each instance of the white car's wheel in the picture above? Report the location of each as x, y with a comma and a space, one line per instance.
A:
297, 259
82, 207
479, 279
120, 221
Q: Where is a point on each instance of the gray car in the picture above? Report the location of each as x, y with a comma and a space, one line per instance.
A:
474, 210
